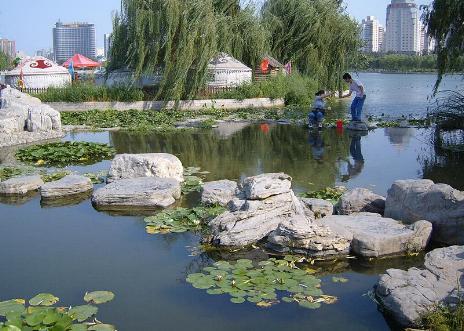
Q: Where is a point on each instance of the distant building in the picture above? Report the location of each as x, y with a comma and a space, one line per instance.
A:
107, 44
370, 34
381, 39
47, 53
427, 43
73, 38
403, 33
8, 47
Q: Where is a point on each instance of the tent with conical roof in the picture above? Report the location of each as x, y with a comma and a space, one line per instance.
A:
225, 71
81, 62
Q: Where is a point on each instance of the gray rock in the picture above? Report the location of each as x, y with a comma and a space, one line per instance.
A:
161, 165
140, 193
300, 235
373, 236
20, 185
407, 295
360, 200
219, 192
251, 221
266, 185
357, 126
318, 207
412, 200
69, 185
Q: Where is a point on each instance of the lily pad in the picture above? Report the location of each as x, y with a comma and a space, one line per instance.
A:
237, 300
81, 313
11, 306
43, 299
102, 327
99, 297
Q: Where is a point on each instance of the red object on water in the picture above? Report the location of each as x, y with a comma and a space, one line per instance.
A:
264, 128
339, 124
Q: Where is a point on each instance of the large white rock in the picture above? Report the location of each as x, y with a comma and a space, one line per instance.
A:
69, 185
360, 200
406, 295
266, 185
161, 165
372, 235
219, 192
413, 200
318, 207
20, 185
140, 193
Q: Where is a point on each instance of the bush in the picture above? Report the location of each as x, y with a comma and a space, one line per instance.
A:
445, 318
87, 92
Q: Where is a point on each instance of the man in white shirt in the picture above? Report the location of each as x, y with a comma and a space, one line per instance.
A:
358, 102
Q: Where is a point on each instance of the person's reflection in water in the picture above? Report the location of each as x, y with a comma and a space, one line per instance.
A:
357, 166
317, 145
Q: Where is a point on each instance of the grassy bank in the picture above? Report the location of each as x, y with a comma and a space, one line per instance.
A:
295, 89
445, 318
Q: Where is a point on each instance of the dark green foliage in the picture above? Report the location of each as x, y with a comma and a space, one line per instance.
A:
328, 193
65, 153
5, 62
445, 318
445, 23
401, 63
85, 92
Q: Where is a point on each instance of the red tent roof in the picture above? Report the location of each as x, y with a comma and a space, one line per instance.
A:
80, 61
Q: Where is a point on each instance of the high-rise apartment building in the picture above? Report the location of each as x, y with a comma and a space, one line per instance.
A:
370, 34
70, 39
427, 43
8, 47
403, 33
381, 39
107, 44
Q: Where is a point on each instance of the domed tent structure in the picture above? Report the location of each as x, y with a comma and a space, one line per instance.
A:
38, 73
224, 72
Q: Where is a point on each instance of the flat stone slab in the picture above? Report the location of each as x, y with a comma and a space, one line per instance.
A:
406, 295
161, 165
412, 200
374, 236
266, 185
69, 185
219, 192
140, 193
20, 185
360, 200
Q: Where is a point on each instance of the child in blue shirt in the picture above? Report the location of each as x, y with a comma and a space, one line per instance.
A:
317, 114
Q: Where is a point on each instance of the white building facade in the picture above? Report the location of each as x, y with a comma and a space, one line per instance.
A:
403, 33
371, 35
73, 38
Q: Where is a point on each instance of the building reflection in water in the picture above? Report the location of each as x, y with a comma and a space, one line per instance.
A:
399, 137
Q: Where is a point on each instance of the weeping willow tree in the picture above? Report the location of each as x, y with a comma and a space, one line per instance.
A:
316, 35
444, 20
178, 38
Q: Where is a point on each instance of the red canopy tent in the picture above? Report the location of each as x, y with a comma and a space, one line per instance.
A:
80, 61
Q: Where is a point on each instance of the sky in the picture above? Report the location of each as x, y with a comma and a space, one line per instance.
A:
30, 22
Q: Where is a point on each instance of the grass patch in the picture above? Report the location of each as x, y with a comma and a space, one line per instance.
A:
445, 318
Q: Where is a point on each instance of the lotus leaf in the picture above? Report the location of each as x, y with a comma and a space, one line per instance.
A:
99, 297
81, 313
11, 306
102, 327
191, 184
242, 281
43, 299
79, 327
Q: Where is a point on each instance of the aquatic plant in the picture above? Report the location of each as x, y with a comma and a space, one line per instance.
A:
266, 284
51, 177
388, 124
65, 153
192, 183
98, 177
40, 314
10, 172
328, 193
444, 318
181, 219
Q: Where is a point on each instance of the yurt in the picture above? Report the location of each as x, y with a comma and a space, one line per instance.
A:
225, 71
38, 73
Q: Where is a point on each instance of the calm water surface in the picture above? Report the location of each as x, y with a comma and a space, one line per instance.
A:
70, 250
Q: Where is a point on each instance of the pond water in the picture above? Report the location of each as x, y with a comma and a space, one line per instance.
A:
73, 249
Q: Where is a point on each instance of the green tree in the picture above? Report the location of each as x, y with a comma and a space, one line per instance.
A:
445, 23
5, 62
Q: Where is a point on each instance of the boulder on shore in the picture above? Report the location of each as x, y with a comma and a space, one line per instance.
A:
68, 185
360, 200
373, 236
20, 185
219, 192
407, 295
139, 193
319, 208
266, 185
161, 165
413, 200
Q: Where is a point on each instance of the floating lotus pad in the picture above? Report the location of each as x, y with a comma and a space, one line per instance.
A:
260, 285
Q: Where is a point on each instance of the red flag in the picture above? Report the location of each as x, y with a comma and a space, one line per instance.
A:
264, 65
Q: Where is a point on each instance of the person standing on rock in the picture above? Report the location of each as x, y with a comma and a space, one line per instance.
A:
358, 102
